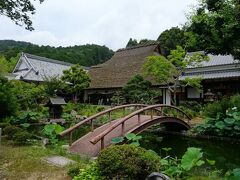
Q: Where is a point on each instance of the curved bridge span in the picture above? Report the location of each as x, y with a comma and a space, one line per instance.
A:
141, 118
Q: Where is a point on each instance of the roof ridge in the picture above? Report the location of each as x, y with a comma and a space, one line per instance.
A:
41, 58
138, 46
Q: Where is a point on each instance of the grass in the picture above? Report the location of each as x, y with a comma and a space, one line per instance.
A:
27, 162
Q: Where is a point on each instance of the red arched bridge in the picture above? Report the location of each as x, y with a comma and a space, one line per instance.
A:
142, 117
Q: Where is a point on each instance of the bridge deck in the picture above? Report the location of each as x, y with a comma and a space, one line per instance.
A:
83, 146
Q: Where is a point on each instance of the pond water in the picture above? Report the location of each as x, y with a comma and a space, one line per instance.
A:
226, 154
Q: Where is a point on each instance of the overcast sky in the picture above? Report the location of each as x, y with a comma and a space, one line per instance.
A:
104, 22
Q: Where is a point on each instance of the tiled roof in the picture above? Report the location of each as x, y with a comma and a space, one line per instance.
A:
121, 67
217, 60
57, 101
218, 66
213, 75
35, 68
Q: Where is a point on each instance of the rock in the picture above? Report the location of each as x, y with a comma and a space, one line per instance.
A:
59, 161
45, 141
157, 176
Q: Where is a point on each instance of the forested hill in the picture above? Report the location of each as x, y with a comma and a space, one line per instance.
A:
86, 55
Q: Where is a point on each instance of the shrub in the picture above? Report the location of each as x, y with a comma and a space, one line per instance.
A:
74, 170
11, 130
127, 162
227, 125
22, 137
8, 101
26, 117
91, 171
220, 107
3, 125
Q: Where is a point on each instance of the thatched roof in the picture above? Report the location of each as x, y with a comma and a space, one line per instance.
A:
121, 67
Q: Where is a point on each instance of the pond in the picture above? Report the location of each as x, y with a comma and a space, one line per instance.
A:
226, 154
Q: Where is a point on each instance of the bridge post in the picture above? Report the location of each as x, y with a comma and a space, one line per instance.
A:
70, 138
123, 128
102, 143
151, 113
139, 118
124, 111
92, 125
109, 117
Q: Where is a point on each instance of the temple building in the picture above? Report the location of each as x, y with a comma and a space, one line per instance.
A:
220, 76
36, 68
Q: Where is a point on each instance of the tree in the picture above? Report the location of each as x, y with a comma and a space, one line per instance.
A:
18, 11
7, 66
168, 70
131, 43
215, 26
170, 39
8, 101
54, 86
138, 90
28, 94
77, 79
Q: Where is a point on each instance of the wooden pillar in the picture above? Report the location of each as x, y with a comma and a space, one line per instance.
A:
102, 143
92, 125
123, 128
70, 138
151, 113
109, 117
139, 118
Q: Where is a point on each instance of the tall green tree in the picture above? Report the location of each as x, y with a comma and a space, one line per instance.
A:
77, 79
170, 39
168, 70
8, 101
18, 11
139, 90
215, 26
131, 43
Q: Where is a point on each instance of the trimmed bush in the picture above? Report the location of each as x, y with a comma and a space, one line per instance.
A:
10, 131
127, 162
22, 137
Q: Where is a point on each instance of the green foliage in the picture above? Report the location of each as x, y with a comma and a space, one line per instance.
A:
220, 107
191, 108
91, 171
117, 140
18, 12
11, 130
130, 162
131, 138
138, 90
192, 158
118, 98
78, 79
8, 100
134, 42
179, 169
170, 39
51, 131
168, 70
227, 125
22, 138
26, 117
215, 26
233, 174
7, 66
160, 68
74, 169
28, 94
82, 109
85, 55
53, 86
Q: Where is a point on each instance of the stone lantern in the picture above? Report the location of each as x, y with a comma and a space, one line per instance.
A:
209, 96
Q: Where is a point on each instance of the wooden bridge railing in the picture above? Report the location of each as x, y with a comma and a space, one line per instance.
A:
138, 112
90, 119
